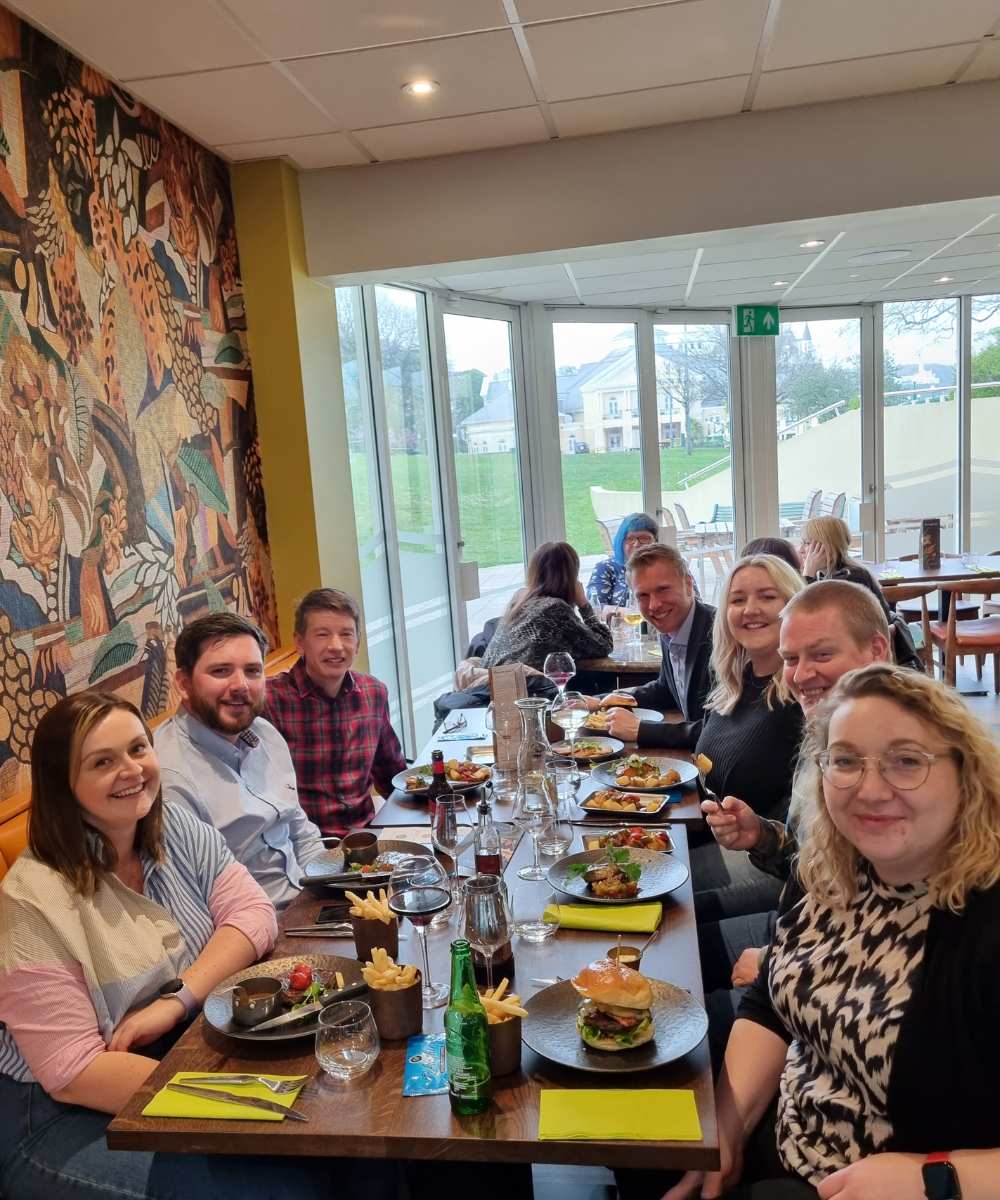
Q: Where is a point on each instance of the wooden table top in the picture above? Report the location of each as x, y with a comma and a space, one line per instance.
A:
644, 660
952, 569
369, 1117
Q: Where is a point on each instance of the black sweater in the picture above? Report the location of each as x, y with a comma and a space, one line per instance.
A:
943, 1079
753, 749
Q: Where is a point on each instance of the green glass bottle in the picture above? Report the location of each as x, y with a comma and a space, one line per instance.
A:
466, 1037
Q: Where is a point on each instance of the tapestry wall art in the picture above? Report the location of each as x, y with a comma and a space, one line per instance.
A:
131, 498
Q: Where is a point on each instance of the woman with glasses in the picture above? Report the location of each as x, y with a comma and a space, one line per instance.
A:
608, 584
865, 1058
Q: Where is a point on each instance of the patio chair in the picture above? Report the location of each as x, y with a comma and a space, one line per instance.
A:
608, 528
831, 504
956, 638
895, 594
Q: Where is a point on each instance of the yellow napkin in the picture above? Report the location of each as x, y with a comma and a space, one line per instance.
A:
654, 1115
177, 1104
624, 918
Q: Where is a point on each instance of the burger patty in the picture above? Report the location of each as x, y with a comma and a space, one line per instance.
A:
608, 1022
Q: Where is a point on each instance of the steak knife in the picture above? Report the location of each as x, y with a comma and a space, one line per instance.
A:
307, 1010
233, 1098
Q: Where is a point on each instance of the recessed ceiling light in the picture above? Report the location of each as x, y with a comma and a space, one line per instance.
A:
854, 275
780, 283
945, 279
420, 87
812, 244
871, 258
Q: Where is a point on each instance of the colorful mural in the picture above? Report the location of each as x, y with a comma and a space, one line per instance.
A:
131, 497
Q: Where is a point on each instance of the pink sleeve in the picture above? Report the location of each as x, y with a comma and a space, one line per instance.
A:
49, 1011
238, 900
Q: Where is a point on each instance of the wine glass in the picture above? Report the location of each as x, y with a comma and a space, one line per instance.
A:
347, 1043
534, 811
632, 616
569, 712
446, 833
418, 889
487, 920
560, 668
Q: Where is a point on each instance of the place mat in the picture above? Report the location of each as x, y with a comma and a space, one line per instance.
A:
979, 569
890, 577
617, 1114
623, 918
176, 1104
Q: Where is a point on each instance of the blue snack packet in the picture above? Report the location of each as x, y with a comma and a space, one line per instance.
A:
426, 1070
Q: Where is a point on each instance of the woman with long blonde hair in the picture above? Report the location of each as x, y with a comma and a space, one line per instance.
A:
872, 1023
751, 731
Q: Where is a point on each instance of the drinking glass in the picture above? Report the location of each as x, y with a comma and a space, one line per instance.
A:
347, 1042
633, 619
487, 920
446, 832
418, 889
560, 668
535, 912
565, 774
569, 711
534, 811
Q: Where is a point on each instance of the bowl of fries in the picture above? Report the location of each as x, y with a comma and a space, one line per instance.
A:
503, 1018
394, 993
373, 923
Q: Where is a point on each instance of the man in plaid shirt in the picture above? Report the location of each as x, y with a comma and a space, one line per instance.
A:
335, 720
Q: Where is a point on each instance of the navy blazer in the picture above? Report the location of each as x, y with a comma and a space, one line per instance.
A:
662, 694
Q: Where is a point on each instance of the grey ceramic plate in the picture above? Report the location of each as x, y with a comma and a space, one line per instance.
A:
550, 1030
219, 1005
640, 714
399, 781
688, 772
661, 873
390, 852
610, 748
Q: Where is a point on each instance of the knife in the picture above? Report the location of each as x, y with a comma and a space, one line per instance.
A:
373, 877
307, 1010
233, 1098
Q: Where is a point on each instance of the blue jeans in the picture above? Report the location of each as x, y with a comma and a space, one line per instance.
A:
53, 1151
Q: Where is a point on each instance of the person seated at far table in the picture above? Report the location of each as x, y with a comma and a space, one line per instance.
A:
226, 764
869, 1040
664, 590
119, 918
778, 546
550, 613
609, 585
751, 731
334, 719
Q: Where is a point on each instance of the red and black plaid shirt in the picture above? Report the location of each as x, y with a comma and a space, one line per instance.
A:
340, 746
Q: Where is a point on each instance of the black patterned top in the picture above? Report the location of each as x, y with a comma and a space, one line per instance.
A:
545, 624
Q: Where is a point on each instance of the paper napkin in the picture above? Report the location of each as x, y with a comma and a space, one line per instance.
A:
176, 1104
623, 918
648, 1115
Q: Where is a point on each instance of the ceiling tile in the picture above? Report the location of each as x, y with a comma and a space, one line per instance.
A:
308, 153
184, 35
242, 104
451, 135
652, 106
477, 73
986, 64
289, 28
634, 281
506, 277
813, 31
654, 261
858, 77
646, 47
545, 10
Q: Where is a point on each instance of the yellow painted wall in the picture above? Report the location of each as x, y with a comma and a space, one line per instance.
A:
295, 352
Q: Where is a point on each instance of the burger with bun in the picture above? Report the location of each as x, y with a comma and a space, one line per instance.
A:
615, 1013
619, 700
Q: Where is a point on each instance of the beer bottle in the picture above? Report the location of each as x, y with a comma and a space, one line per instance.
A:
466, 1038
439, 782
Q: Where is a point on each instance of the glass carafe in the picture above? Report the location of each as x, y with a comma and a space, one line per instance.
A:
534, 751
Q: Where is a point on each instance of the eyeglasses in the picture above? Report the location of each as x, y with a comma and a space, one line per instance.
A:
901, 769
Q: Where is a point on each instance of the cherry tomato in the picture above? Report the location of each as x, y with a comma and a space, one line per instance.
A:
301, 977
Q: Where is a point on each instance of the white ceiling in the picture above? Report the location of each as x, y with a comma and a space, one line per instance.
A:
318, 81
959, 239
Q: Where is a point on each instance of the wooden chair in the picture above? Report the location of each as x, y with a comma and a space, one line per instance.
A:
955, 638
894, 594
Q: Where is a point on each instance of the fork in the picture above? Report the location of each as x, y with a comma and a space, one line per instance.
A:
280, 1087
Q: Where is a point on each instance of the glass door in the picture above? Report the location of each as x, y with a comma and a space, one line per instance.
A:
482, 371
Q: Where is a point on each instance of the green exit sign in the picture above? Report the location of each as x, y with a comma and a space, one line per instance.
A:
756, 320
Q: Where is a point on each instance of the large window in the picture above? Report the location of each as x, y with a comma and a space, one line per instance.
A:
985, 424
920, 422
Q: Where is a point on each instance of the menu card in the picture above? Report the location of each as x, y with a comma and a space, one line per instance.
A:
930, 543
507, 684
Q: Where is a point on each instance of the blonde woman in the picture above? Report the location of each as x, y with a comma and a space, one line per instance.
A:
751, 731
872, 1025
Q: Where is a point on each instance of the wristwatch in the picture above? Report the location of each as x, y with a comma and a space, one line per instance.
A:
941, 1178
177, 989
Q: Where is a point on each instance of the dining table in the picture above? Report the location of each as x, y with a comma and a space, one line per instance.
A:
952, 569
407, 808
626, 665
369, 1116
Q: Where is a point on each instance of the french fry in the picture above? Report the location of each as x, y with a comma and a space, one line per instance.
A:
385, 975
338, 976
500, 1008
369, 908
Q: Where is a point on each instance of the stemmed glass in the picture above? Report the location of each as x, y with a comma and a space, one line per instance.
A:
418, 889
560, 668
632, 617
487, 919
446, 833
569, 712
534, 812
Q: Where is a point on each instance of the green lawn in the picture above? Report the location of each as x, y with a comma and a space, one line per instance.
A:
489, 503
